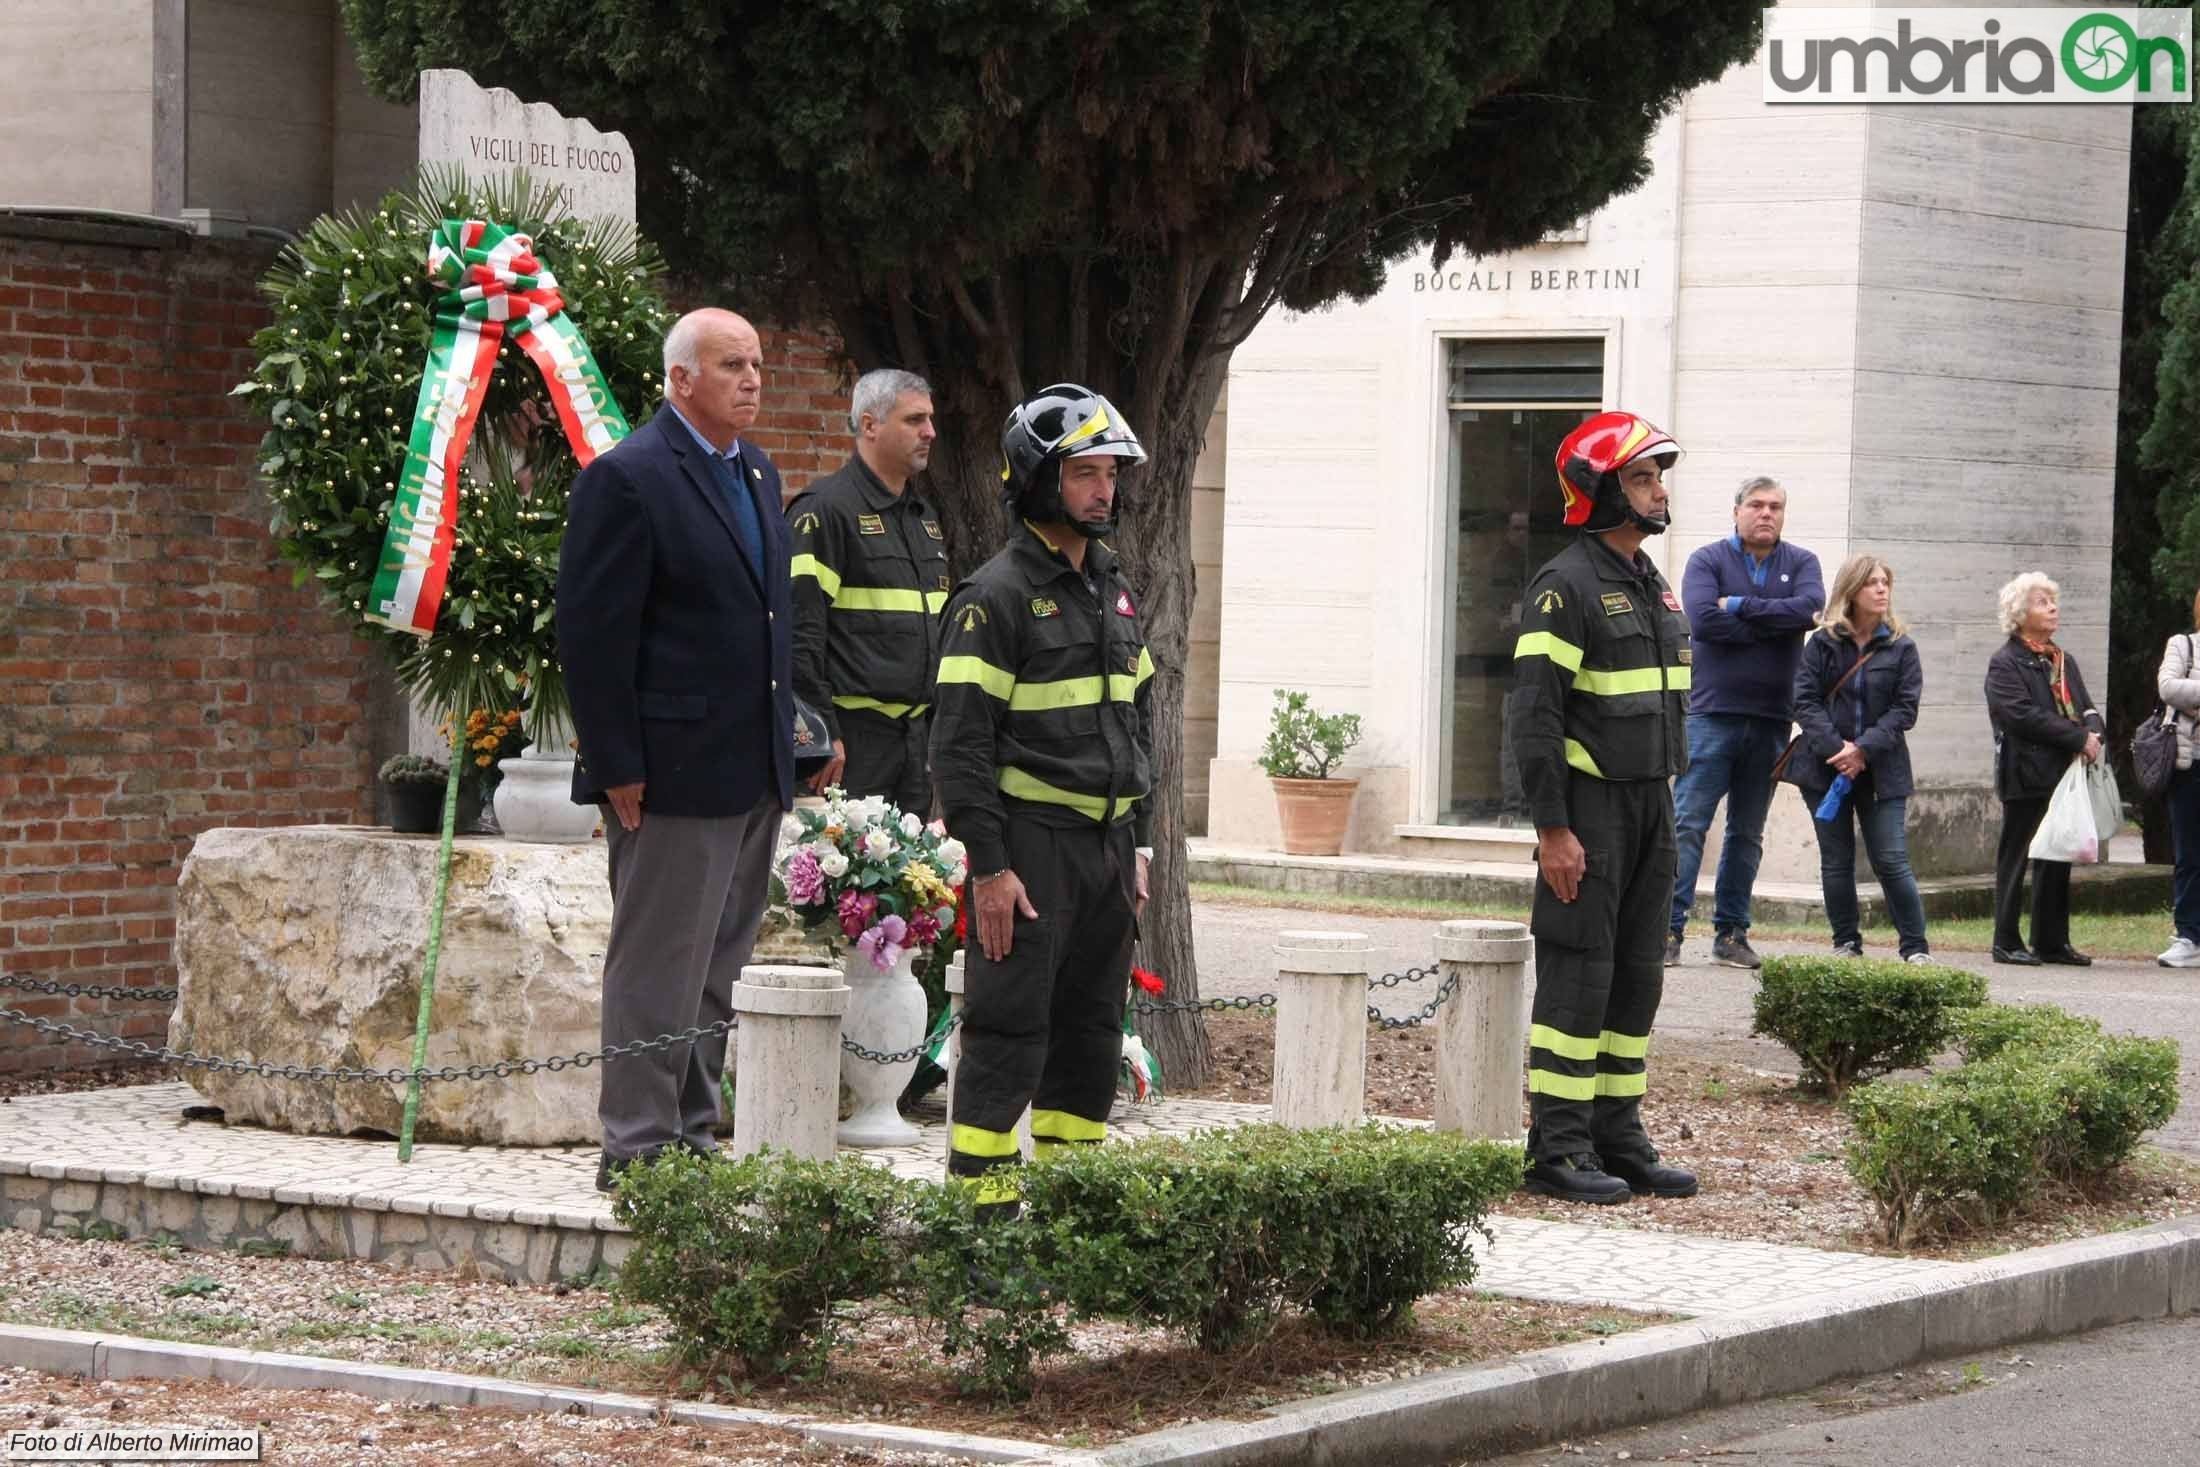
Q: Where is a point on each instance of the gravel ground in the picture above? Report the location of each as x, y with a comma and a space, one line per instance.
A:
337, 1427
1118, 1380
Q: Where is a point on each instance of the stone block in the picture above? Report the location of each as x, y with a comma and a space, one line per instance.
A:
218, 1216
360, 1234
304, 944
54, 1351
171, 1212
403, 1229
74, 1199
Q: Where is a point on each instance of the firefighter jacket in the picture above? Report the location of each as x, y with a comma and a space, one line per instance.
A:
1042, 710
1600, 676
870, 581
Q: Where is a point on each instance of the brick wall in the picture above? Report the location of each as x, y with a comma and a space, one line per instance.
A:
803, 424
158, 675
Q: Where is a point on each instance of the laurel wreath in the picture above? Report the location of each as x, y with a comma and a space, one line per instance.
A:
338, 373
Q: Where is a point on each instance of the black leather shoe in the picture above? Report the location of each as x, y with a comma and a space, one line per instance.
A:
609, 1168
2016, 955
1651, 1178
2065, 956
1576, 1179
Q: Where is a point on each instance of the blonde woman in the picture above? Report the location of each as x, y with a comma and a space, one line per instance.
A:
2178, 683
2042, 717
1854, 721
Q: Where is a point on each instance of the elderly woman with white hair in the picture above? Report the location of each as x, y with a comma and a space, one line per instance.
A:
2042, 718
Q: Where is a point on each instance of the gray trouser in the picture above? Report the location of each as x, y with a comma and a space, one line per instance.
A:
687, 894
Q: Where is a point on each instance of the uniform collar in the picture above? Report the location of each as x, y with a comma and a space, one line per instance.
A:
1610, 566
875, 492
1042, 562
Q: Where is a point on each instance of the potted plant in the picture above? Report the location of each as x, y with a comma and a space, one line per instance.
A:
1303, 746
882, 884
490, 739
416, 784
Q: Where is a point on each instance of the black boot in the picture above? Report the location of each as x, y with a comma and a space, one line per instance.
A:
1576, 1179
1652, 1178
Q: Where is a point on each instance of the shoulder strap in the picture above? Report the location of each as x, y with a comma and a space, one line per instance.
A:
1854, 668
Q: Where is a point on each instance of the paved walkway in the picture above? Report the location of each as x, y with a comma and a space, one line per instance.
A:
136, 1137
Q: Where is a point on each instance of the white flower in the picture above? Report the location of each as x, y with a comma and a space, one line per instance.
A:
869, 810
954, 853
790, 830
911, 826
833, 862
878, 845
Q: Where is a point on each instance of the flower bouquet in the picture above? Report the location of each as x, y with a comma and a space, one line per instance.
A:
881, 880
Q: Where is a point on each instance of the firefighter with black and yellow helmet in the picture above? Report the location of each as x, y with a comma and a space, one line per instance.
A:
1598, 723
1042, 747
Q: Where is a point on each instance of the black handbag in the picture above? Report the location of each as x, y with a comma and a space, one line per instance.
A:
2154, 746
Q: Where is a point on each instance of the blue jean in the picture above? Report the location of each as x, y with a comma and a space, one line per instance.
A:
1729, 757
2184, 835
1889, 848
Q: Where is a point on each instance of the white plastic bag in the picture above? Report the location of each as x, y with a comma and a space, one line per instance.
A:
2108, 801
2067, 831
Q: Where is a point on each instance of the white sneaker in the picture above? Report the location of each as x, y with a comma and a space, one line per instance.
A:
1927, 958
2183, 953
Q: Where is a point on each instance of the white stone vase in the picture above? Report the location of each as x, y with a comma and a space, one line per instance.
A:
534, 798
886, 1014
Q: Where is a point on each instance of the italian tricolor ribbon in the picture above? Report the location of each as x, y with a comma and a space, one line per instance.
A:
494, 287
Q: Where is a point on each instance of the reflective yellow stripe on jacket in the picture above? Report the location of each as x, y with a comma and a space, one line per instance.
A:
1016, 782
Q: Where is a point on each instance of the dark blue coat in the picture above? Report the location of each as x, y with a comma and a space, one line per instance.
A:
678, 653
1873, 711
1745, 660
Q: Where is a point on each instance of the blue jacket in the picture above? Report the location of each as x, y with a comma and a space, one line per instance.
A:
1746, 624
678, 652
1874, 711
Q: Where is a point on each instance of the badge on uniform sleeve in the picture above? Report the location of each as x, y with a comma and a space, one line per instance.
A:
1549, 602
932, 528
1617, 604
944, 586
1044, 606
870, 524
1123, 605
1672, 602
805, 523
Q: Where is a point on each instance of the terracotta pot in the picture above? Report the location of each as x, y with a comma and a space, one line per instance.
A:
1314, 814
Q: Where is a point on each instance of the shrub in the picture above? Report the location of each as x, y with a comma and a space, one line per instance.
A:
2044, 1095
978, 1282
1986, 1031
747, 1258
1958, 1148
1214, 1234
1849, 1018
1304, 744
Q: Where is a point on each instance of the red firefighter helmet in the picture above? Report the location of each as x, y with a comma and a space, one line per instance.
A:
1590, 458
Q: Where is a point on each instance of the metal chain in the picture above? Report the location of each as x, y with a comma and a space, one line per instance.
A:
899, 1056
1421, 1015
1410, 975
85, 990
502, 1069
1187, 1005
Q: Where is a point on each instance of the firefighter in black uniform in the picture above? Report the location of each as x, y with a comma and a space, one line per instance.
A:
1044, 755
1598, 724
870, 581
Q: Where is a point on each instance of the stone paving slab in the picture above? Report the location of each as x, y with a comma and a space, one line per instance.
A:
128, 1157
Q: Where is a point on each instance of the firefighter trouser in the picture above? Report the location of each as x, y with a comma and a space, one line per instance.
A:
886, 757
1599, 971
1043, 1027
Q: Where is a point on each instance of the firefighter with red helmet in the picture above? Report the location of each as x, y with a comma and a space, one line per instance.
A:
1597, 722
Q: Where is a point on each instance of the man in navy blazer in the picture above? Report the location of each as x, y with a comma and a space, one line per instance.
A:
674, 629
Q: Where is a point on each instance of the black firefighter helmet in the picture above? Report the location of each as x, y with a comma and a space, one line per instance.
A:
1060, 422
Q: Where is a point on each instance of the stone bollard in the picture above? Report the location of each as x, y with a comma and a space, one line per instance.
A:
1480, 1031
953, 1054
1321, 1029
786, 1081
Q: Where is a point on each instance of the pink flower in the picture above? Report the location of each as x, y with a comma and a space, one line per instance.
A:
856, 910
805, 882
924, 930
883, 944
